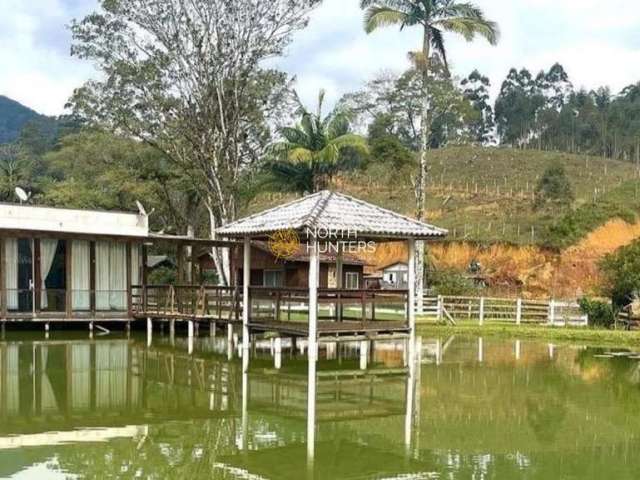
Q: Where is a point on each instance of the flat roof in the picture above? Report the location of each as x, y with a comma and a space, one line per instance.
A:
66, 220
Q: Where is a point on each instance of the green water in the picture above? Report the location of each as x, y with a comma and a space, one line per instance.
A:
468, 408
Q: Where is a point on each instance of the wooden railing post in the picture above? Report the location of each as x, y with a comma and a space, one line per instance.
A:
481, 313
277, 306
552, 311
439, 308
518, 311
363, 301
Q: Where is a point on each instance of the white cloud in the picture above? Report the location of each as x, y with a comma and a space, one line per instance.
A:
34, 53
596, 43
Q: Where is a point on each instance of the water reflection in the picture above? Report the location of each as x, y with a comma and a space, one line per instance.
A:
451, 407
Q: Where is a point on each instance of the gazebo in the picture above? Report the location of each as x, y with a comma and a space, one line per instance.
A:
327, 221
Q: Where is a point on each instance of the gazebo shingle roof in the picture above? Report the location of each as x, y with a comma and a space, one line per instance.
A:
331, 210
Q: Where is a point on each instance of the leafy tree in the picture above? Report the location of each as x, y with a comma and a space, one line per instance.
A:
554, 187
188, 78
621, 271
399, 97
95, 169
16, 170
311, 152
385, 147
435, 18
476, 90
517, 107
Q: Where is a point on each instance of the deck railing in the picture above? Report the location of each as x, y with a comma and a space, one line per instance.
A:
205, 301
292, 305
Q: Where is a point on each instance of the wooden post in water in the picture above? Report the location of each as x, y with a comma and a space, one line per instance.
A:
190, 329
363, 354
246, 301
277, 356
149, 331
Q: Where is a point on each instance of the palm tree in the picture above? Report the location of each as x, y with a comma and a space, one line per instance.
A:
312, 151
435, 17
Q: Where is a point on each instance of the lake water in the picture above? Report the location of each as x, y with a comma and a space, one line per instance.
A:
467, 408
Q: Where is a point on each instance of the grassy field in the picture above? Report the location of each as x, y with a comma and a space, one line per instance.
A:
486, 194
590, 336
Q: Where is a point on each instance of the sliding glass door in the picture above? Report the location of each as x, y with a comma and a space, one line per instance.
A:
53, 275
19, 275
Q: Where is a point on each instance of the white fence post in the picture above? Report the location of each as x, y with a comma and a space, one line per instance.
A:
518, 311
481, 311
552, 312
439, 308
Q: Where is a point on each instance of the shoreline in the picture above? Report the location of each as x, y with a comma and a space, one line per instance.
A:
597, 336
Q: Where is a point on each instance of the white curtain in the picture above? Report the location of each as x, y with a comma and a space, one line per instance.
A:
118, 276
48, 249
136, 268
80, 271
111, 276
102, 275
11, 272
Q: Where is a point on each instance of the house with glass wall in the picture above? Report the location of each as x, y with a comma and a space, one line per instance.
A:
66, 264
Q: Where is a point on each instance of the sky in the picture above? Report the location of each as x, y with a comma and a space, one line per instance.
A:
596, 45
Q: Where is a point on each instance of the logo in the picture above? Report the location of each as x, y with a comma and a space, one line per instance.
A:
284, 243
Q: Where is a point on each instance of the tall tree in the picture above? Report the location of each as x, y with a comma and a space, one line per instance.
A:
189, 79
310, 153
476, 90
435, 18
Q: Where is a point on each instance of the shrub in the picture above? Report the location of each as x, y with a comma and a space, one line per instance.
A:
554, 187
600, 314
162, 276
451, 282
621, 271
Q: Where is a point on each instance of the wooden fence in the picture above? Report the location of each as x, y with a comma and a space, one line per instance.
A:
518, 311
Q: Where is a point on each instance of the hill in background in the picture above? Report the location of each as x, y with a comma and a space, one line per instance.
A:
13, 117
486, 195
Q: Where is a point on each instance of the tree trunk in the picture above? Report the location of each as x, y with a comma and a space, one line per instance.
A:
221, 256
421, 184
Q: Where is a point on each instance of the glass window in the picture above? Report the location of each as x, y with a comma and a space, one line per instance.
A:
352, 280
273, 278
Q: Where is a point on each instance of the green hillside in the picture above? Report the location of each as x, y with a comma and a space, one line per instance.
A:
13, 117
487, 194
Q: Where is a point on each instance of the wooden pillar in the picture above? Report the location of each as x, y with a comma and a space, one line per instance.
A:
246, 300
68, 280
37, 275
314, 276
3, 285
194, 266
339, 280
411, 246
92, 277
129, 268
180, 264
145, 254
